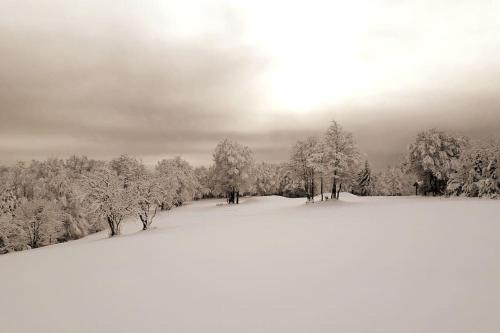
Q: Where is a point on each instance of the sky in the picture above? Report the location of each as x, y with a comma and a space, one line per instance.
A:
157, 79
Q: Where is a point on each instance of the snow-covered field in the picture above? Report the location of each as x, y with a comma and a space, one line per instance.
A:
270, 265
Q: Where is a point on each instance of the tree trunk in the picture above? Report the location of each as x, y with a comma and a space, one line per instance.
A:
321, 185
144, 222
237, 197
232, 196
111, 226
334, 185
338, 192
312, 185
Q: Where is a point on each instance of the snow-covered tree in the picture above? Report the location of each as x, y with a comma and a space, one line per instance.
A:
289, 183
433, 157
77, 166
204, 189
127, 168
318, 161
477, 174
178, 182
109, 198
143, 186
393, 181
148, 194
79, 220
303, 162
41, 221
342, 157
8, 194
232, 169
363, 182
266, 179
14, 237
4, 244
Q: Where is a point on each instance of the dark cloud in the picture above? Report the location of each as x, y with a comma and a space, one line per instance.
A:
113, 93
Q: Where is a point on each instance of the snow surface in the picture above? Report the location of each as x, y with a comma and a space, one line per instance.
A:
270, 264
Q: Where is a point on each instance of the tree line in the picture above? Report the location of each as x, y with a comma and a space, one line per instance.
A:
436, 163
56, 200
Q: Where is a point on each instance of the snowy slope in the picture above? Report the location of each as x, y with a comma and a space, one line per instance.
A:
270, 265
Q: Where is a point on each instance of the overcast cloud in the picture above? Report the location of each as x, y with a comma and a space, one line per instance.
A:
161, 79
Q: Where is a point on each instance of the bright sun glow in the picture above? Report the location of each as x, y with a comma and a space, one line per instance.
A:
326, 53
314, 49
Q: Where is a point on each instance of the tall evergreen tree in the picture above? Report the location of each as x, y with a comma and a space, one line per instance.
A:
364, 181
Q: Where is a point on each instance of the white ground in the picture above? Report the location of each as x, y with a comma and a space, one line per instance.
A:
270, 265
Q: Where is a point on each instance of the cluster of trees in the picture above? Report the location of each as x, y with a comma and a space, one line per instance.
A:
57, 200
437, 163
454, 165
332, 160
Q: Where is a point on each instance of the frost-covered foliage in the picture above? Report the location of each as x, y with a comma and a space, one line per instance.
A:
141, 186
4, 243
392, 182
128, 169
266, 179
8, 192
41, 221
477, 174
204, 189
148, 195
232, 169
289, 184
56, 200
178, 182
304, 163
433, 157
342, 156
13, 236
41, 202
109, 198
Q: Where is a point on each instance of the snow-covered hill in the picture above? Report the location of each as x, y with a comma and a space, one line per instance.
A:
270, 265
